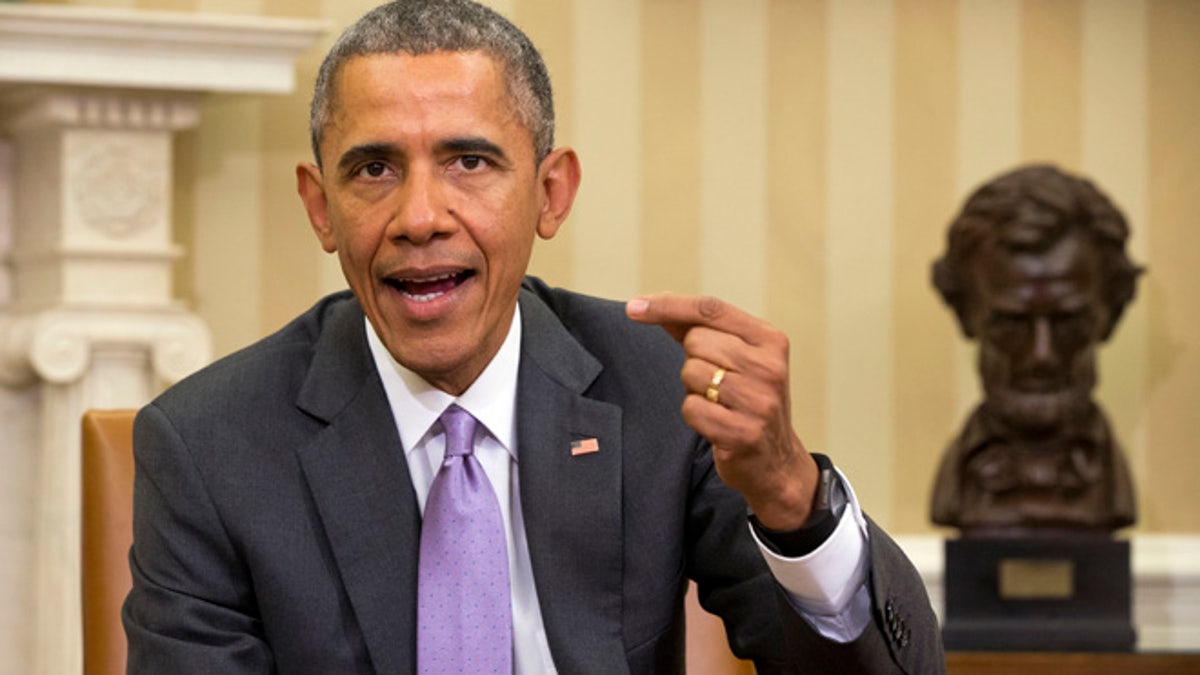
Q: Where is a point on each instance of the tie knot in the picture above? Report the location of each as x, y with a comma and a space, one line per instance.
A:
460, 431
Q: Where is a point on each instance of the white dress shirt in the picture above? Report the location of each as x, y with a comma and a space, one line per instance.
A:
828, 586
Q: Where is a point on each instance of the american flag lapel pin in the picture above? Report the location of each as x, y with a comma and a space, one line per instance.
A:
584, 446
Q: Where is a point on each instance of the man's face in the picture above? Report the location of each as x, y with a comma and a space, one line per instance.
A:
1039, 317
431, 197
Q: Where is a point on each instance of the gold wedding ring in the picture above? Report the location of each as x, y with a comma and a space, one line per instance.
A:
714, 388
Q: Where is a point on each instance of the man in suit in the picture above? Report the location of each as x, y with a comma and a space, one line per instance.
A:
283, 494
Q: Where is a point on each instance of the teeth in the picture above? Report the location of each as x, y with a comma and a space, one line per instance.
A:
429, 280
408, 286
424, 297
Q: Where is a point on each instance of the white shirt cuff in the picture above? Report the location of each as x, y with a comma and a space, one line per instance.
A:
829, 585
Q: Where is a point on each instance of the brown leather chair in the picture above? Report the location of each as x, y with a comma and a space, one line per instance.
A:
107, 476
108, 533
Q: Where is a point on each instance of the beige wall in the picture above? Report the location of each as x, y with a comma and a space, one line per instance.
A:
800, 158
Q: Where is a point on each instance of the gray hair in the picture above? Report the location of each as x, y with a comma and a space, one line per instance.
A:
424, 26
1029, 210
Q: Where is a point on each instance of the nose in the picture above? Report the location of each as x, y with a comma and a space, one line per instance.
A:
1042, 351
423, 212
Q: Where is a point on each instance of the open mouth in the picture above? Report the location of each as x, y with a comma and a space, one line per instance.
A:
428, 289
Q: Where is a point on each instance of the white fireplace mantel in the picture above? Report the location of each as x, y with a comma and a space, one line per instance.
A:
115, 48
90, 99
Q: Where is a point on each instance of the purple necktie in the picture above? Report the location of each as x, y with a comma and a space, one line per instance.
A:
464, 612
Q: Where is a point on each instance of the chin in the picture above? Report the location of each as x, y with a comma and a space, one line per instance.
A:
1040, 412
432, 361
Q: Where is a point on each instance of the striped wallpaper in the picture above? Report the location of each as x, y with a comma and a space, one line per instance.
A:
801, 158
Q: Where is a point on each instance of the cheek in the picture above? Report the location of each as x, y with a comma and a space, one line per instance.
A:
1083, 368
994, 363
351, 259
507, 241
358, 237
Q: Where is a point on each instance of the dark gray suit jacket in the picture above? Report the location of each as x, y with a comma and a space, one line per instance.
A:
276, 528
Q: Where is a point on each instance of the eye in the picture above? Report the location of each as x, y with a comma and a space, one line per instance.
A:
373, 170
472, 162
1009, 330
1074, 328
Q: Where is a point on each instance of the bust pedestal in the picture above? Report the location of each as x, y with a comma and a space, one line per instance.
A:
1038, 594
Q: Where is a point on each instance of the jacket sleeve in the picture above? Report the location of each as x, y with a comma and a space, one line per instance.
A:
903, 635
763, 625
191, 608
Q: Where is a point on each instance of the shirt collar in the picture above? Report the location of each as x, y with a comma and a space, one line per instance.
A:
491, 399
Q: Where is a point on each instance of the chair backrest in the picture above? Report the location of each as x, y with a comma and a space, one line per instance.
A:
107, 476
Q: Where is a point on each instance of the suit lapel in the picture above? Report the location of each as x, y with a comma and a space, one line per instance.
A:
571, 502
362, 490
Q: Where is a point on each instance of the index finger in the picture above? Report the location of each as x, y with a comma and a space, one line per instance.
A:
677, 314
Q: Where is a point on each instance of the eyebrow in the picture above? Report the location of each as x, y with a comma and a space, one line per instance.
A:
473, 145
364, 152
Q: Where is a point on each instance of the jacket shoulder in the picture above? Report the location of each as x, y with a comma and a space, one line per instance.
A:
601, 326
265, 369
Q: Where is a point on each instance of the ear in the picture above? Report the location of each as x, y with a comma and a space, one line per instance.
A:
559, 176
311, 186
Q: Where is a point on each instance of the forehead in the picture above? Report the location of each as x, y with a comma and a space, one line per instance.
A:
409, 93
1068, 273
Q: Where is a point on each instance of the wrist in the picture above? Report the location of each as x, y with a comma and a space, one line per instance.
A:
815, 529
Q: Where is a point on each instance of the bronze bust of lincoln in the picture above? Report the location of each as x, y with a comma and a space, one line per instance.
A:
1036, 271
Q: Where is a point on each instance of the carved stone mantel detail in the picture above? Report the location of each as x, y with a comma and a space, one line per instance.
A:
114, 185
57, 107
93, 197
119, 183
57, 346
88, 110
